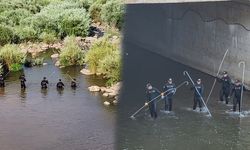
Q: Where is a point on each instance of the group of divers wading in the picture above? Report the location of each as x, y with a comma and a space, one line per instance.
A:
44, 83
228, 89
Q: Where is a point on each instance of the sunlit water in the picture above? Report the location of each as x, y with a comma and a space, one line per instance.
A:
37, 119
182, 129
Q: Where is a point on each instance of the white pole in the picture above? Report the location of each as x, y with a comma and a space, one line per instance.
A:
186, 73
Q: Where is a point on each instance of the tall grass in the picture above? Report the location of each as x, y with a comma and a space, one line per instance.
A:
71, 54
104, 57
12, 56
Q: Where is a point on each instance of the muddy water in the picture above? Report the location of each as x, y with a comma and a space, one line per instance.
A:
37, 119
183, 129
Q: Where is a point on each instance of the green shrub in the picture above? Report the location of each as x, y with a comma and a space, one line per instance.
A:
112, 13
71, 54
11, 55
1, 69
6, 35
38, 61
16, 67
13, 17
25, 33
95, 10
74, 22
110, 66
84, 3
97, 52
48, 37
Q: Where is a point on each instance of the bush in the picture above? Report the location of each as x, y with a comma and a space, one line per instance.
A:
48, 37
112, 13
95, 10
16, 67
110, 66
84, 3
6, 35
13, 17
12, 55
1, 69
71, 54
38, 61
26, 33
97, 52
74, 22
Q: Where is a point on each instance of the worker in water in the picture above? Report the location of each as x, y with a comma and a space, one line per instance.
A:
2, 83
22, 81
169, 90
73, 83
60, 84
236, 90
44, 83
152, 94
226, 87
198, 92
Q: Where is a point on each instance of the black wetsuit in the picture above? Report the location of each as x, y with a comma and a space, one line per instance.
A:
169, 90
236, 90
73, 84
2, 83
225, 88
44, 84
151, 94
197, 96
22, 80
60, 85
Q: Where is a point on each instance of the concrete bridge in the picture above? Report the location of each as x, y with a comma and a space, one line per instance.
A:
193, 33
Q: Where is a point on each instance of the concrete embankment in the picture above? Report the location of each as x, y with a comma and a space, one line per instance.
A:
195, 34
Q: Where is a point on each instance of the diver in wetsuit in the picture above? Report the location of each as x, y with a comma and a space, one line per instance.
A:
197, 94
236, 90
169, 89
151, 94
2, 82
44, 83
226, 87
60, 84
22, 81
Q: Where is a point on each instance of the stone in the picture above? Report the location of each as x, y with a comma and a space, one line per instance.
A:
94, 88
44, 64
103, 89
105, 94
112, 95
106, 103
115, 101
54, 56
57, 63
108, 90
86, 72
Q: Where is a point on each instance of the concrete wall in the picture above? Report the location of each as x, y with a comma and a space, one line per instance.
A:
195, 34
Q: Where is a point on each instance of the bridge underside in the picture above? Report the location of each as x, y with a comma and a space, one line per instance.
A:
196, 34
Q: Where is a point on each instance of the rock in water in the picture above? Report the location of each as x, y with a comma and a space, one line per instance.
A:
105, 94
86, 72
57, 63
115, 101
54, 56
106, 103
94, 88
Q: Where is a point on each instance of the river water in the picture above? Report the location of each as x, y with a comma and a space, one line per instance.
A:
54, 120
183, 129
